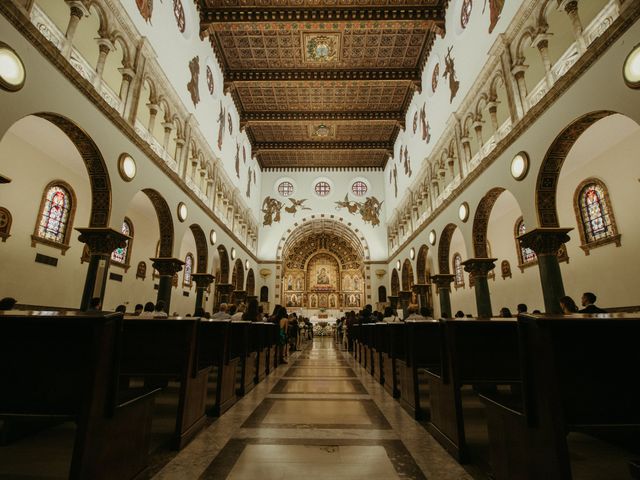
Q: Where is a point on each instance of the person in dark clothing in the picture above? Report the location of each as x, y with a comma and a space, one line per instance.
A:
589, 304
7, 303
522, 308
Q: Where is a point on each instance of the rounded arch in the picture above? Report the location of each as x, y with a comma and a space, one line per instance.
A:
481, 222
202, 250
237, 277
165, 222
549, 173
251, 283
117, 38
102, 16
94, 162
407, 275
395, 283
443, 248
224, 264
422, 267
164, 103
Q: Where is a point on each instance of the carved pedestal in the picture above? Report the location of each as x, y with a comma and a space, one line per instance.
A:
423, 295
546, 242
167, 268
101, 243
393, 301
238, 297
443, 285
223, 293
480, 267
405, 300
203, 280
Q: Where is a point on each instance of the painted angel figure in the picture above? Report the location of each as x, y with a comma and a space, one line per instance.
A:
495, 9
370, 210
237, 159
249, 183
145, 7
271, 209
395, 180
426, 128
450, 74
295, 204
222, 119
352, 207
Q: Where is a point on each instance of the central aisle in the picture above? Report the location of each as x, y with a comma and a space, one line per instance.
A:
321, 417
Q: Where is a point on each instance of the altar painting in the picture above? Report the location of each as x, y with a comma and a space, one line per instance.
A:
323, 273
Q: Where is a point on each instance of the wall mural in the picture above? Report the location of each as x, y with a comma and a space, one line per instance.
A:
210, 83
415, 122
395, 180
244, 154
450, 74
369, 210
426, 128
192, 86
248, 193
495, 9
434, 77
145, 7
230, 122
222, 116
406, 161
237, 156
272, 207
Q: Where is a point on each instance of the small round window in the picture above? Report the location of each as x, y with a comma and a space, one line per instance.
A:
359, 188
322, 189
285, 189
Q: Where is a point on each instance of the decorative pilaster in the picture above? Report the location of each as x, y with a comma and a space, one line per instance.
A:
546, 242
443, 286
101, 243
167, 268
202, 280
480, 267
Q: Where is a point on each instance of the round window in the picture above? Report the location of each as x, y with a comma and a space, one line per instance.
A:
285, 189
359, 188
322, 189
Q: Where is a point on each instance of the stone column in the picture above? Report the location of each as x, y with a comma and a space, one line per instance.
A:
405, 300
153, 111
238, 297
104, 47
77, 11
546, 242
518, 74
101, 243
542, 43
477, 126
168, 128
480, 267
423, 293
393, 301
571, 7
443, 286
223, 293
466, 148
492, 105
203, 280
125, 88
167, 267
178, 153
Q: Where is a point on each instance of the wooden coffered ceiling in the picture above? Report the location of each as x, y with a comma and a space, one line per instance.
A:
322, 83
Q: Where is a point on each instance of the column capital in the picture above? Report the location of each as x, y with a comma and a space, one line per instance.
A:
127, 73
77, 8
479, 266
153, 107
569, 6
545, 241
167, 265
168, 126
518, 70
443, 280
102, 241
104, 44
203, 280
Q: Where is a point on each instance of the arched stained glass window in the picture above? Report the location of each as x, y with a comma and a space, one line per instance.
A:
55, 214
458, 271
188, 268
594, 212
121, 255
525, 255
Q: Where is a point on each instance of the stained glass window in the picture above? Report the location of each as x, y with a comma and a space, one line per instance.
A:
322, 189
465, 12
359, 188
526, 254
54, 218
458, 271
121, 255
188, 268
178, 11
595, 213
285, 189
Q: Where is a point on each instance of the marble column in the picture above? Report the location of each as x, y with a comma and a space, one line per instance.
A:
104, 47
203, 280
238, 296
223, 293
423, 294
492, 105
480, 267
571, 7
77, 11
101, 243
125, 88
443, 286
167, 267
546, 242
153, 111
542, 43
393, 301
405, 300
518, 73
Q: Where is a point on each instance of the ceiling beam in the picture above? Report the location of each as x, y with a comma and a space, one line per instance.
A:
274, 146
212, 16
270, 117
313, 75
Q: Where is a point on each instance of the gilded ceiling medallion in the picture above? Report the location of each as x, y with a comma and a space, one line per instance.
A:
321, 131
321, 48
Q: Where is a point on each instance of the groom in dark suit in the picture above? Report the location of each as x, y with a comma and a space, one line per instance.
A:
588, 302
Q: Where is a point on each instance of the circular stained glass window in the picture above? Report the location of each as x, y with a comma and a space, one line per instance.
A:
210, 84
434, 77
178, 11
359, 188
465, 12
285, 189
322, 189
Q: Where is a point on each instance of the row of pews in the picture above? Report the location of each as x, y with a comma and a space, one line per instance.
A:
530, 381
103, 372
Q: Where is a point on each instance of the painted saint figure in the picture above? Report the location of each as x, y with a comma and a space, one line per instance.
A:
237, 159
323, 277
450, 73
145, 7
222, 121
495, 9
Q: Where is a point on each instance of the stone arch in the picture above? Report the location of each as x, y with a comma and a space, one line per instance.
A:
117, 38
524, 41
95, 164
549, 173
164, 103
251, 283
224, 264
481, 222
422, 268
102, 16
237, 277
407, 275
395, 283
165, 222
443, 248
496, 82
202, 250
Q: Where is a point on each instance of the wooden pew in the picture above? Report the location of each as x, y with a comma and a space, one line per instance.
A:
260, 344
579, 373
214, 338
423, 351
66, 365
482, 353
160, 350
353, 339
379, 344
392, 355
367, 342
272, 352
240, 348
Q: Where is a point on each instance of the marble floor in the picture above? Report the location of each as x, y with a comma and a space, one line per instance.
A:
319, 417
